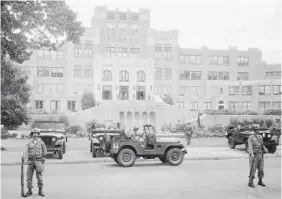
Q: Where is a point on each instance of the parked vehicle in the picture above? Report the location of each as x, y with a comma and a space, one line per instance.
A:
126, 151
239, 135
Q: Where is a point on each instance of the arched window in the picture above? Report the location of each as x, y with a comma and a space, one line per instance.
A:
141, 76
123, 76
107, 76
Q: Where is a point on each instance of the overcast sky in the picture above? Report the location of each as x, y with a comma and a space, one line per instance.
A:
216, 24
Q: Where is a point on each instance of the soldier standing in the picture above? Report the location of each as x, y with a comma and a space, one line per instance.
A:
188, 131
256, 151
35, 156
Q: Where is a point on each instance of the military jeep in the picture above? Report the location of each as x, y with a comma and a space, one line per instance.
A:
100, 138
239, 135
125, 151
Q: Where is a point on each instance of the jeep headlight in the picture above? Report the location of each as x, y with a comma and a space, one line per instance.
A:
269, 135
101, 138
53, 139
263, 135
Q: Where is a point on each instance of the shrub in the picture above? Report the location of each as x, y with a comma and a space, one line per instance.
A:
3, 148
74, 129
246, 122
64, 118
268, 123
234, 121
14, 135
272, 112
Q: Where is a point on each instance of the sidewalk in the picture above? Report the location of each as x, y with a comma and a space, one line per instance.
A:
83, 156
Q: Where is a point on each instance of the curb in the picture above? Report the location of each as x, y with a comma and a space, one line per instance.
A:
105, 160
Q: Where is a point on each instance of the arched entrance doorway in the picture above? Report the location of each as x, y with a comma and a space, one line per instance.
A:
122, 117
137, 119
129, 120
152, 118
144, 118
220, 105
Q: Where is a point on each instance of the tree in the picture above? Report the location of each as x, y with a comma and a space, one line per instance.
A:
168, 99
15, 94
28, 25
87, 101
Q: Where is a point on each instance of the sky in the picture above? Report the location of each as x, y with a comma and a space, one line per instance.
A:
217, 24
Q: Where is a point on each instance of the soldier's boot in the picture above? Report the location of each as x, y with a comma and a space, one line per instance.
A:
28, 193
40, 192
251, 183
261, 183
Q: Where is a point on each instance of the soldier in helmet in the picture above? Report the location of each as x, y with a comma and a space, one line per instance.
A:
35, 156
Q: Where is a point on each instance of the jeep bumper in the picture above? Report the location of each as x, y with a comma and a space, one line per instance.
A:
184, 151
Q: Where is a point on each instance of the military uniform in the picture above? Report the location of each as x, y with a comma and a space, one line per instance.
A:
35, 155
256, 148
188, 131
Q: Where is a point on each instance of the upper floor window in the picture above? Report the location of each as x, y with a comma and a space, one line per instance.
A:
158, 73
158, 52
191, 59
276, 105
123, 76
213, 75
218, 60
43, 71
183, 90
134, 52
87, 71
167, 73
180, 104
242, 61
141, 76
113, 32
110, 51
263, 106
246, 106
110, 15
276, 74
233, 90
107, 76
108, 35
234, 106
39, 104
60, 54
122, 52
247, 90
184, 75
134, 16
242, 76
88, 49
196, 75
277, 90
122, 16
207, 106
264, 90
78, 50
44, 54
77, 71
167, 52
167, 90
194, 106
57, 72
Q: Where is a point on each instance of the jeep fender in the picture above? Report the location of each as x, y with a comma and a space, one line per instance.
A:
128, 147
275, 138
182, 148
95, 141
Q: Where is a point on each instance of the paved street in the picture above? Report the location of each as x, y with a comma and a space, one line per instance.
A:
193, 179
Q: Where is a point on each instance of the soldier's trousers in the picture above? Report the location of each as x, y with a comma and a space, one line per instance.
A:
30, 170
188, 138
256, 162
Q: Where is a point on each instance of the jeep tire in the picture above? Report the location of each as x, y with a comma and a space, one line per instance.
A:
231, 142
272, 149
60, 154
126, 157
90, 147
246, 145
94, 153
163, 159
115, 159
174, 156
64, 148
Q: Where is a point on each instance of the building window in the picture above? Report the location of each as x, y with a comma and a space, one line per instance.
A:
197, 91
191, 59
39, 104
141, 76
277, 90
223, 75
242, 76
233, 90
211, 91
124, 37
123, 76
71, 105
207, 106
87, 71
183, 90
134, 17
158, 51
277, 105
219, 60
263, 106
158, 74
264, 90
57, 72
167, 90
76, 89
110, 15
108, 35
60, 54
55, 105
194, 106
122, 52
195, 75
122, 16
134, 52
106, 92
180, 104
107, 76
247, 90
234, 106
40, 88
246, 106
88, 49
276, 74
43, 71
140, 93
123, 93
44, 54
158, 90
113, 35
167, 73
167, 53
221, 91
242, 61
77, 71
136, 36
184, 75
110, 51
56, 89
212, 75
78, 50
87, 88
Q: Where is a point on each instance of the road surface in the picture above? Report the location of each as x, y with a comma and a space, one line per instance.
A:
218, 179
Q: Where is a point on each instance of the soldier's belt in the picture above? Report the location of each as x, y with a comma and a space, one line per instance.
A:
34, 158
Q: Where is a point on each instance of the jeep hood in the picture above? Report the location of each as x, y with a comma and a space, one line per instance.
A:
58, 135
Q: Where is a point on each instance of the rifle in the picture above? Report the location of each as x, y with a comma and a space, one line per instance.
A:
22, 177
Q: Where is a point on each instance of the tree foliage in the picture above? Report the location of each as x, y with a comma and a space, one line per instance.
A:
168, 99
87, 101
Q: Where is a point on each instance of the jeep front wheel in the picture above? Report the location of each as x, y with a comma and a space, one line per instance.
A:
90, 147
93, 153
174, 157
60, 154
64, 148
272, 149
126, 158
231, 142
